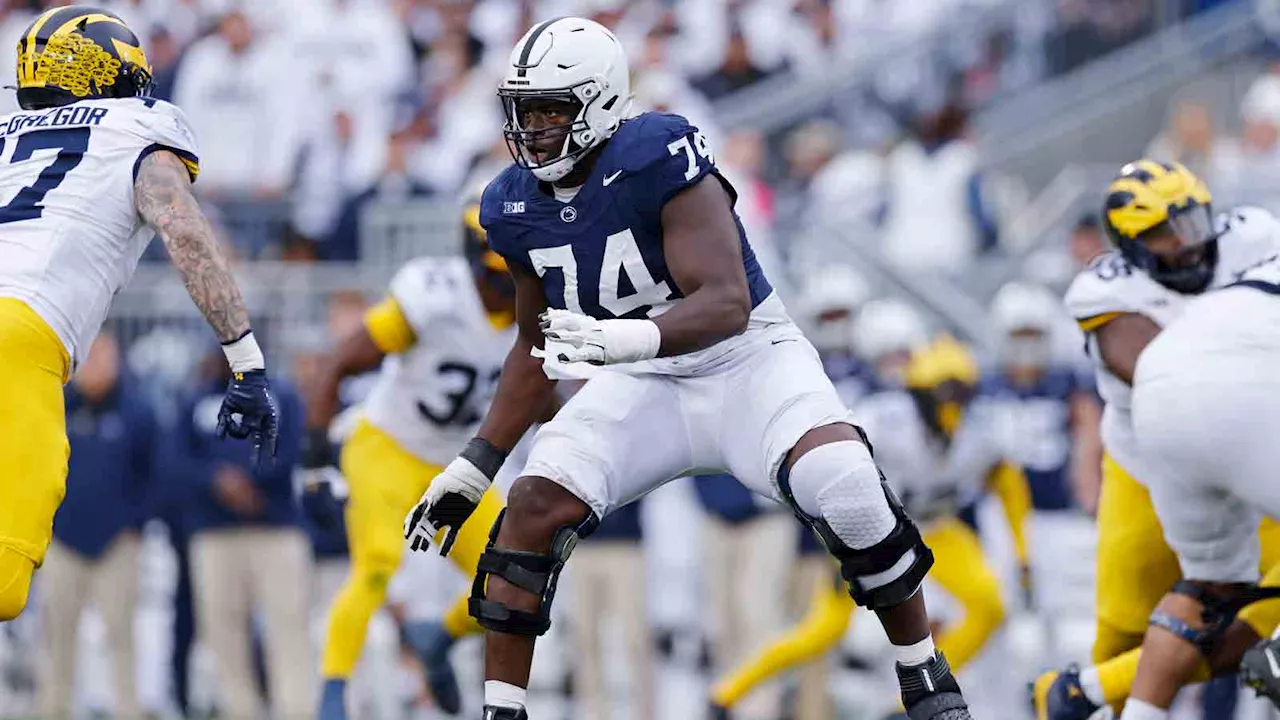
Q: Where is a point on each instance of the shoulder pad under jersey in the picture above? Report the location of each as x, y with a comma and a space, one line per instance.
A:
428, 289
1110, 286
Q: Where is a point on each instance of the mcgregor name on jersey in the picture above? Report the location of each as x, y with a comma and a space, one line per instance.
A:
66, 116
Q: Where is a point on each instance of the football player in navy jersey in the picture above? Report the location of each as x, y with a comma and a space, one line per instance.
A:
1046, 416
633, 271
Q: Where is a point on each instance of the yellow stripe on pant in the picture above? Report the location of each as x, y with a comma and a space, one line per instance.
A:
33, 442
386, 481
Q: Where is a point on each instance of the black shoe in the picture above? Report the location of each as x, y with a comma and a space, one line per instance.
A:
504, 713
930, 691
718, 712
1260, 670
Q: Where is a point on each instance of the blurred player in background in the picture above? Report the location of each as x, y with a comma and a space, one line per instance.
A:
1046, 420
91, 168
830, 303
440, 337
949, 459
1168, 250
606, 221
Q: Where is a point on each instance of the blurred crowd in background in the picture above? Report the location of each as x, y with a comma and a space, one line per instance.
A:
341, 136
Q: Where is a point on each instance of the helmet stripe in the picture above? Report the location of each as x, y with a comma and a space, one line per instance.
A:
27, 68
527, 50
92, 17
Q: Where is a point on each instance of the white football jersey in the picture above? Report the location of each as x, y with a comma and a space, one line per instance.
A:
1110, 285
932, 478
70, 236
431, 397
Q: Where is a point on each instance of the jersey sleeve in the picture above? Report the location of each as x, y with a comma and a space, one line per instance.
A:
1106, 289
389, 328
666, 156
499, 218
163, 126
424, 291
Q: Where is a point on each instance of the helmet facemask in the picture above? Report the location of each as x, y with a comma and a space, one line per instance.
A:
1027, 348
1180, 253
576, 138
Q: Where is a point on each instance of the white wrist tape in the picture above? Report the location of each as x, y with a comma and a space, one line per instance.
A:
630, 340
244, 354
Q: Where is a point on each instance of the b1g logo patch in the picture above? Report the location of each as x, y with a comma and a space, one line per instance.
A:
512, 207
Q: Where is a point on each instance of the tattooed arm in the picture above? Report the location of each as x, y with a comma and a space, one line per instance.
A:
162, 194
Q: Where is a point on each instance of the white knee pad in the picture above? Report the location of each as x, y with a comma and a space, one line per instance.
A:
840, 483
838, 491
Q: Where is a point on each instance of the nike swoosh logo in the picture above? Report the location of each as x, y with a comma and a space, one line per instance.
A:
610, 178
779, 342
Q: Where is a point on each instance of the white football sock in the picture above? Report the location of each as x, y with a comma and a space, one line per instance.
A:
500, 694
916, 653
1139, 710
1092, 686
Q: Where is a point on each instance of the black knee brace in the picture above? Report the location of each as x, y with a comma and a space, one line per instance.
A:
1219, 611
530, 571
860, 568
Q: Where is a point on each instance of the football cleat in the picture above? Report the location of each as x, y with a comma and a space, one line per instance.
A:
717, 712
431, 643
930, 691
1059, 696
504, 713
1260, 670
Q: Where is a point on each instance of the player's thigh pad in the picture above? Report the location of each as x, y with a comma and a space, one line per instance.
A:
1192, 435
33, 434
775, 394
385, 482
618, 438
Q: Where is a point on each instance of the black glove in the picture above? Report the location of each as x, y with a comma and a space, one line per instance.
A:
321, 504
249, 396
317, 451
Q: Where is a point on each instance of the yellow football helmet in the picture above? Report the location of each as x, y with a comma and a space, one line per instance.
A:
1149, 197
78, 53
487, 265
942, 378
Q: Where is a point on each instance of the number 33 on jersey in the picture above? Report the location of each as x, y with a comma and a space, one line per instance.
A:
600, 253
69, 234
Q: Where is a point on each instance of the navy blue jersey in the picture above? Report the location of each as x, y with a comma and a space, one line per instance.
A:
601, 253
1034, 427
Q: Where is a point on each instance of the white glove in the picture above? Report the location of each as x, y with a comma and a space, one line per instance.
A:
601, 342
447, 503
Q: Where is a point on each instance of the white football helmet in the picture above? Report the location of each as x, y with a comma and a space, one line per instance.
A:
830, 303
888, 326
570, 60
1026, 315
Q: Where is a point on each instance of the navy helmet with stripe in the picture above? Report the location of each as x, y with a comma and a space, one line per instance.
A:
569, 60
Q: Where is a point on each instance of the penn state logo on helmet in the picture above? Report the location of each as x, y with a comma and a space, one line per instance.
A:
577, 67
77, 53
1152, 201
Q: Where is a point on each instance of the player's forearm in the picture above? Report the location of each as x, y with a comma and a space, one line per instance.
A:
356, 353
1086, 455
525, 395
707, 316
163, 198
